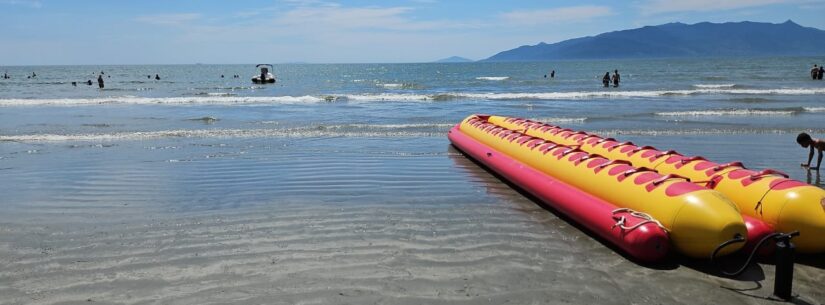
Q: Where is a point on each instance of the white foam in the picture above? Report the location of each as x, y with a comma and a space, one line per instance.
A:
195, 100
387, 97
401, 97
392, 126
392, 86
493, 78
730, 112
814, 109
215, 133
714, 86
560, 120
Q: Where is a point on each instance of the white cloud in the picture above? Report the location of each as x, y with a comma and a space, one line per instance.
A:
556, 15
670, 6
169, 19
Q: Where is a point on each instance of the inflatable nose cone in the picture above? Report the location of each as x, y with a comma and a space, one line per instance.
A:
804, 211
704, 223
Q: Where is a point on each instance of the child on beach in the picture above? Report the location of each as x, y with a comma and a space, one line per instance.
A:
805, 140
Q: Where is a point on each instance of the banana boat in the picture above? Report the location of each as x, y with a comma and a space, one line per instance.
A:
641, 238
698, 219
784, 204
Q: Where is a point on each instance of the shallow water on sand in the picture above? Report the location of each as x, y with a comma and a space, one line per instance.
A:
278, 195
318, 221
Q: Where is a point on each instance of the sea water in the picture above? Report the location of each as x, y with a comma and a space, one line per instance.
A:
337, 184
730, 108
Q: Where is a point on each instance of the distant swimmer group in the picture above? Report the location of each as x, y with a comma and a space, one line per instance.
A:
615, 79
817, 72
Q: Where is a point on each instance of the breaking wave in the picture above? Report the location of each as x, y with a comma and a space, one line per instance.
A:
320, 131
493, 78
402, 97
716, 86
745, 112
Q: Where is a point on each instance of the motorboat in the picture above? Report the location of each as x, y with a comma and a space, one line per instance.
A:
265, 77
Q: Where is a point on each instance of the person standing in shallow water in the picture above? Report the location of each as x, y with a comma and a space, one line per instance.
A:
616, 78
100, 81
157, 77
814, 72
606, 79
821, 71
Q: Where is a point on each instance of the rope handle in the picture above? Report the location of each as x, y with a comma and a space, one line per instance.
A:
691, 159
637, 170
612, 162
668, 177
622, 220
638, 149
726, 165
571, 150
590, 156
611, 148
665, 153
766, 173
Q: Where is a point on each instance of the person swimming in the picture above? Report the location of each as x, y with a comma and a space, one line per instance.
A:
157, 77
89, 82
606, 79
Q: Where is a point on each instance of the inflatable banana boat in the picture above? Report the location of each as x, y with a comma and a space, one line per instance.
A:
697, 219
786, 205
640, 237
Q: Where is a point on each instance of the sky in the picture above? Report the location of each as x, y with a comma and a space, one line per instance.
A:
67, 32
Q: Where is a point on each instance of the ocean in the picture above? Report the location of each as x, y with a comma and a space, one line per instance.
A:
337, 184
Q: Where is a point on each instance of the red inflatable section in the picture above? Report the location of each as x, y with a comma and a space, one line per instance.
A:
646, 242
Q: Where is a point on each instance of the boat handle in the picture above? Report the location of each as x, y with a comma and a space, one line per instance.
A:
694, 158
611, 162
726, 165
572, 149
668, 177
768, 172
665, 153
637, 170
611, 148
638, 149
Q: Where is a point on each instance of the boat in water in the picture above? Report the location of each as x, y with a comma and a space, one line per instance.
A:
265, 77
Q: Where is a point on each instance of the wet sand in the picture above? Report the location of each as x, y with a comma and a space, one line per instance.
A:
323, 221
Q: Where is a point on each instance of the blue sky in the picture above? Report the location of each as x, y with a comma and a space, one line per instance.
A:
44, 32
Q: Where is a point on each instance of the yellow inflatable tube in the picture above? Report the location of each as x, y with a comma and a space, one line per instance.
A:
787, 205
698, 219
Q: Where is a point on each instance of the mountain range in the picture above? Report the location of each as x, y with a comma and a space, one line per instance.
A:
704, 39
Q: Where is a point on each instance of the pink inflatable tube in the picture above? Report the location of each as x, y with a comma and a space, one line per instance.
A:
646, 242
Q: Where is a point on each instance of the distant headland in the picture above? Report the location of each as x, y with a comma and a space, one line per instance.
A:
453, 59
731, 39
